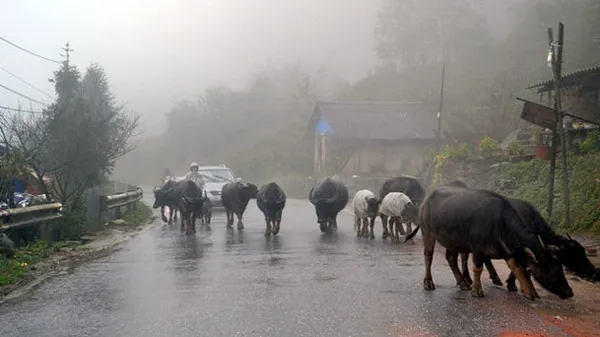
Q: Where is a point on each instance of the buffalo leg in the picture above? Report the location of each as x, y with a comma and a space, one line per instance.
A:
384, 224
526, 286
493, 273
268, 229
372, 225
511, 284
277, 223
464, 257
390, 224
334, 224
240, 224
408, 227
194, 223
229, 215
182, 227
398, 229
365, 227
401, 227
452, 258
171, 211
162, 214
357, 225
428, 250
478, 260
174, 213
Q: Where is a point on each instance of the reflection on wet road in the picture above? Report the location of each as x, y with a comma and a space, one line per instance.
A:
300, 283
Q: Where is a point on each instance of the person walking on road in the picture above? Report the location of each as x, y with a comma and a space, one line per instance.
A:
195, 176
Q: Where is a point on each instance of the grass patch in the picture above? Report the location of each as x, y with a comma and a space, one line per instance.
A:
529, 181
13, 269
135, 218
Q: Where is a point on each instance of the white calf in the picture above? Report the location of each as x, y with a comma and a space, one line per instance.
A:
366, 207
393, 206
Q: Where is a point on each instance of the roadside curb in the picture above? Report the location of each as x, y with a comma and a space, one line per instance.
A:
62, 262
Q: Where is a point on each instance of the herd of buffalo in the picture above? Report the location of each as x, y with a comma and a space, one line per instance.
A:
461, 219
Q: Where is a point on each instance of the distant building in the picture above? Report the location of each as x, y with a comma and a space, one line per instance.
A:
373, 137
580, 94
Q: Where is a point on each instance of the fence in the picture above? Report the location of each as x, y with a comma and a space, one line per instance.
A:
105, 203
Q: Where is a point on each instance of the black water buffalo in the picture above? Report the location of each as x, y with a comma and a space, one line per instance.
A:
185, 196
570, 252
329, 196
207, 209
271, 201
235, 197
486, 224
413, 189
162, 198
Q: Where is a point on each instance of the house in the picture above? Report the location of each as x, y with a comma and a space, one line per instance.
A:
580, 94
373, 137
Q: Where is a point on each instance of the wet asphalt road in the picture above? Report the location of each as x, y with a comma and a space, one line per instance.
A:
300, 283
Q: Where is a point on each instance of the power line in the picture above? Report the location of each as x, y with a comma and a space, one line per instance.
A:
28, 51
20, 110
20, 94
22, 80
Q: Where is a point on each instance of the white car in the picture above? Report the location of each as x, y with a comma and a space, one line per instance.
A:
215, 177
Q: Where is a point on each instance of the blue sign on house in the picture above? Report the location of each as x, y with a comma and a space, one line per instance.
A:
323, 127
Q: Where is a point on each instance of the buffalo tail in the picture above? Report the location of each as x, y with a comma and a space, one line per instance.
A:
412, 235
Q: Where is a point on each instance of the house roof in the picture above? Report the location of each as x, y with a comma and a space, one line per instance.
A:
586, 76
373, 120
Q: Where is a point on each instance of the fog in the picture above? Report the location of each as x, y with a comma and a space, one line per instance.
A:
158, 52
236, 81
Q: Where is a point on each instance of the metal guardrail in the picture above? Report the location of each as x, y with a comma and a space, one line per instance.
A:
20, 217
116, 201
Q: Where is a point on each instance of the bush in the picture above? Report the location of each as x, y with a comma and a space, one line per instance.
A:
529, 181
488, 147
514, 149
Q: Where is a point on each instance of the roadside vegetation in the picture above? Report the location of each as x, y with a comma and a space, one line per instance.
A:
25, 259
528, 180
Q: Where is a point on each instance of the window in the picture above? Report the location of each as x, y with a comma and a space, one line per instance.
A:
217, 175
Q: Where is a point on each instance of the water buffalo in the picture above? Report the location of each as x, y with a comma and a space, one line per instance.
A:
486, 224
413, 189
570, 252
329, 196
207, 209
365, 207
185, 196
393, 206
162, 198
271, 201
235, 197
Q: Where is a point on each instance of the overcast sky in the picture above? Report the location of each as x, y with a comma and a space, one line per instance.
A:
157, 52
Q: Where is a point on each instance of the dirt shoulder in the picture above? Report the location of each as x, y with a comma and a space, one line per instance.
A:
69, 256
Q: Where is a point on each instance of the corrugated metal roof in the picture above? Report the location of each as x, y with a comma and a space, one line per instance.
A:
376, 120
567, 80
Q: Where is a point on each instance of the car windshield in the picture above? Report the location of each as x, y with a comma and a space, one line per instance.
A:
217, 175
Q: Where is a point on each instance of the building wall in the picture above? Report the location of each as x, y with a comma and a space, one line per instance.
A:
403, 157
585, 105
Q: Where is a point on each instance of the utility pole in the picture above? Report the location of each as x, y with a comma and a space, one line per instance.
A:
557, 59
67, 53
429, 174
439, 114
